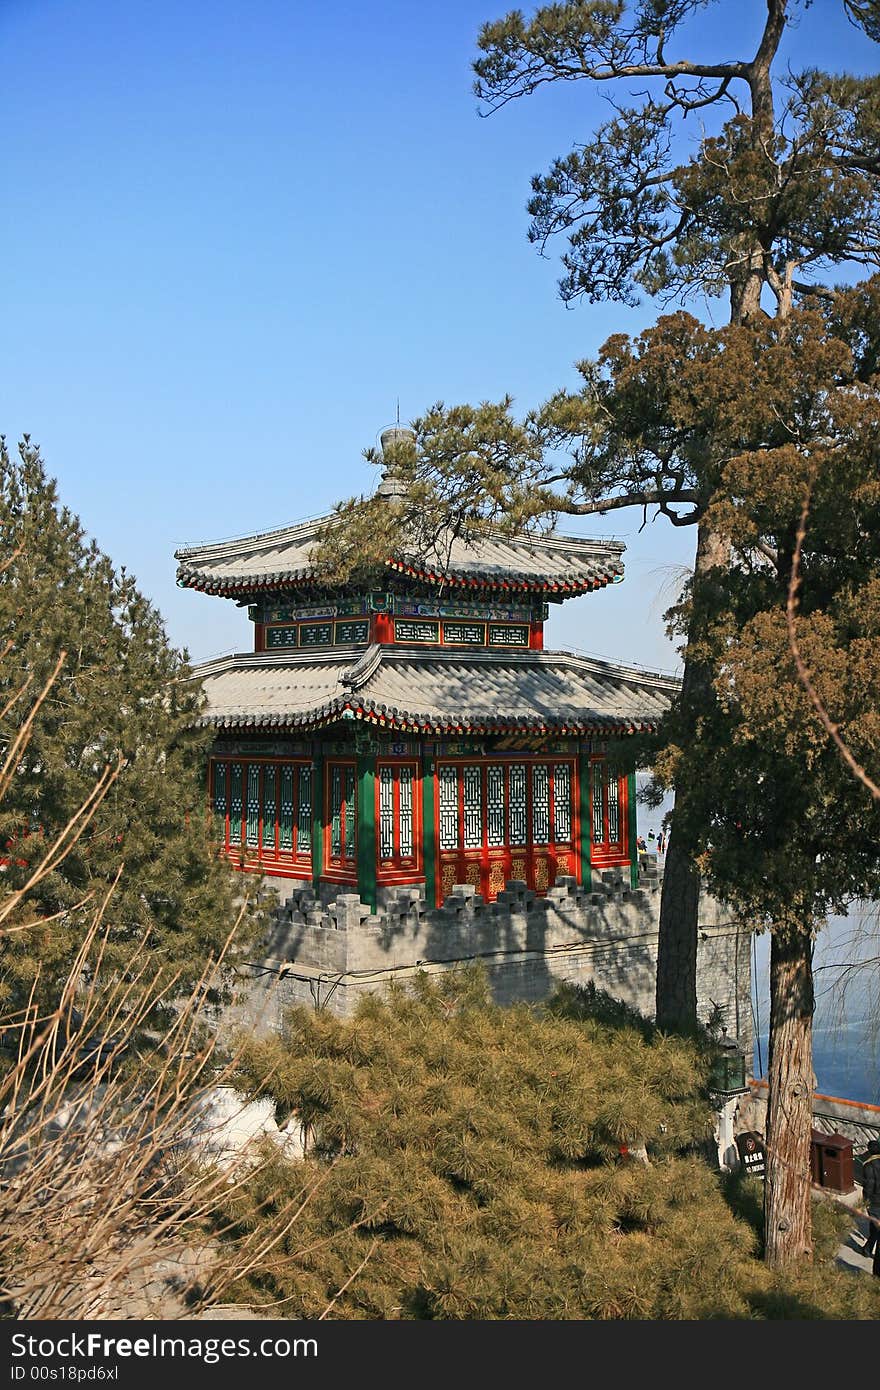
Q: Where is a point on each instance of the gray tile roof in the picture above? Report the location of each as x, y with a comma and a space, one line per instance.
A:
281, 559
407, 688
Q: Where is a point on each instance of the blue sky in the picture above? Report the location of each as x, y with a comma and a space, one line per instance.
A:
236, 233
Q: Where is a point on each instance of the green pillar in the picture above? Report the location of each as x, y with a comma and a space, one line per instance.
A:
366, 828
633, 829
586, 814
429, 829
317, 821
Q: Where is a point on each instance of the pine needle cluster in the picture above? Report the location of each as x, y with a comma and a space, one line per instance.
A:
467, 1161
118, 715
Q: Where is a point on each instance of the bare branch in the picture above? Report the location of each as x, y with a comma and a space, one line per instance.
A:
791, 608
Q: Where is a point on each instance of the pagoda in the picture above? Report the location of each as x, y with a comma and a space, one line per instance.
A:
418, 734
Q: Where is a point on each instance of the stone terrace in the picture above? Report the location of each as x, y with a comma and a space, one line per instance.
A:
328, 956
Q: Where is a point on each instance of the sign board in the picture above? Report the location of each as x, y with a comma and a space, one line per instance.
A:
752, 1154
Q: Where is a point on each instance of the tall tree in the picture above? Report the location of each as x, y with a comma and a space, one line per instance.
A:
741, 417
121, 700
784, 832
781, 187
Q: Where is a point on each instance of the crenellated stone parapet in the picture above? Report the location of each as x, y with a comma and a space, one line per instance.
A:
605, 932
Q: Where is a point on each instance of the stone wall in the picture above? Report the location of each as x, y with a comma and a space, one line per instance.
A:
327, 956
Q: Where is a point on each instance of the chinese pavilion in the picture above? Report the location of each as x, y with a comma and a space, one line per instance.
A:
418, 734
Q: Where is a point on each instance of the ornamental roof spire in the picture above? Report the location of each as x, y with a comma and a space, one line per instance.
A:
391, 486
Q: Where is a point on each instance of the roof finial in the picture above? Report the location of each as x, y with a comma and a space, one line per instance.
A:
391, 485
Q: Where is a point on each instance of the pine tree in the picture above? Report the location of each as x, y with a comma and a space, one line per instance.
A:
785, 833
783, 185
122, 699
472, 1161
780, 187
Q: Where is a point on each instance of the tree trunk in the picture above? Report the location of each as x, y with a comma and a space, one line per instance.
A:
676, 996
676, 1001
745, 290
787, 1216
748, 280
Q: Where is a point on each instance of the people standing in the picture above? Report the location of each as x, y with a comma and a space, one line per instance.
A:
871, 1198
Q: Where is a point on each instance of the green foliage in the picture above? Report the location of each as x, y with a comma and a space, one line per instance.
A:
865, 14
783, 189
771, 806
467, 470
783, 181
466, 1163
122, 697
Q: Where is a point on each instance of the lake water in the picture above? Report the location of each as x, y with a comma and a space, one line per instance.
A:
845, 1061
846, 1026
846, 965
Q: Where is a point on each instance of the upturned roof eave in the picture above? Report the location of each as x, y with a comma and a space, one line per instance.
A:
605, 726
603, 555
358, 667
510, 582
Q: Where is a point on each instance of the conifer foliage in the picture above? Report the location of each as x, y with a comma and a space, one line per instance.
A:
471, 1161
786, 832
720, 169
121, 701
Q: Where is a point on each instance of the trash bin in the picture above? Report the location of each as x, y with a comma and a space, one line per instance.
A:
831, 1161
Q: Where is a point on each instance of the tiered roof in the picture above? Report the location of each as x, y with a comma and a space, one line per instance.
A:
441, 691
282, 560
408, 689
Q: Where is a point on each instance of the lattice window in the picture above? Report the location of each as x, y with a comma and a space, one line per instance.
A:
562, 803
494, 806
449, 827
464, 634
263, 807
252, 837
220, 790
280, 637
405, 784
473, 808
598, 814
304, 819
516, 833
540, 804
235, 804
336, 812
507, 636
386, 813
269, 791
609, 806
613, 810
315, 634
352, 632
416, 632
349, 813
285, 817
